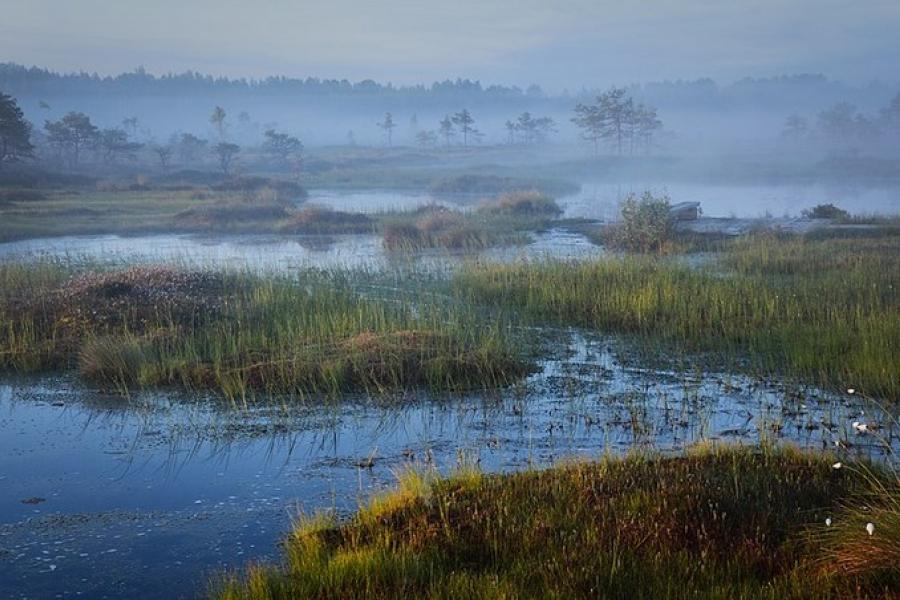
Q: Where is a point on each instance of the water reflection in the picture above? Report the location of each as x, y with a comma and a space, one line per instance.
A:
272, 254
126, 490
600, 200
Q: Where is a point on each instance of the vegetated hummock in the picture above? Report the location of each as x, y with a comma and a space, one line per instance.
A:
322, 220
825, 309
504, 220
142, 205
717, 522
192, 202
239, 334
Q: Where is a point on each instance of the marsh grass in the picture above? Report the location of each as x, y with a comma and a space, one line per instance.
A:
717, 522
321, 220
850, 549
826, 311
241, 334
505, 220
523, 203
84, 212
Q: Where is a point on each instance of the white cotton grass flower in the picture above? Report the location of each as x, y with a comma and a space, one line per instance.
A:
837, 465
870, 528
860, 427
851, 391
828, 522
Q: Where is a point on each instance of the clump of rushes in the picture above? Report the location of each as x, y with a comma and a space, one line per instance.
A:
438, 227
526, 203
497, 222
827, 311
862, 538
240, 334
321, 220
718, 522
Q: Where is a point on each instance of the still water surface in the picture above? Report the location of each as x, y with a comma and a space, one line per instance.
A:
103, 497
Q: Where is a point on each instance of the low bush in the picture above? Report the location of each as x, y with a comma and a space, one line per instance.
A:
826, 211
526, 203
321, 220
645, 225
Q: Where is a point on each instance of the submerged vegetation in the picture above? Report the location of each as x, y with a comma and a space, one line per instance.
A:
239, 334
718, 522
825, 310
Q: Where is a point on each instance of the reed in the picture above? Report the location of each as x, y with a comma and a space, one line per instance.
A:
241, 334
717, 522
824, 310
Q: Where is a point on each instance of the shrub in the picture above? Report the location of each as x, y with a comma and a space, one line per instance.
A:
826, 211
645, 225
317, 219
523, 203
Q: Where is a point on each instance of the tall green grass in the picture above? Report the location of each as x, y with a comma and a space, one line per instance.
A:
241, 334
825, 310
715, 523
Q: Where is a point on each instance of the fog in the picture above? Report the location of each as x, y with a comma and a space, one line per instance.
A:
260, 260
739, 92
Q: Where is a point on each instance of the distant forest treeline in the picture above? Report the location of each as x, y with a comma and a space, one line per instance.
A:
785, 90
330, 111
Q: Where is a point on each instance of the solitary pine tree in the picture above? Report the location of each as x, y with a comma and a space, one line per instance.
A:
590, 120
217, 118
464, 121
388, 126
15, 132
72, 134
284, 147
446, 128
227, 154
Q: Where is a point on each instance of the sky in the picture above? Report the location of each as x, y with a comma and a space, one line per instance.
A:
559, 44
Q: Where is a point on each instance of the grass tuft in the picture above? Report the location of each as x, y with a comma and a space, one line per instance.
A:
721, 522
241, 334
827, 311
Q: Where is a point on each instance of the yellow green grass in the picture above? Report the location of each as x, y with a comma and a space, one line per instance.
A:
824, 310
717, 522
241, 334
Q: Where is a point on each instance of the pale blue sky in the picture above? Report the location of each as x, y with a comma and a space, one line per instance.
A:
557, 43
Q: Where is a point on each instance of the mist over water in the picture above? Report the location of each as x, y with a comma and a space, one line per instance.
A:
515, 166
